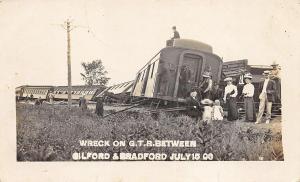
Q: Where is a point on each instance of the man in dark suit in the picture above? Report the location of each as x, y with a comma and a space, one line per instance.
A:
267, 90
99, 107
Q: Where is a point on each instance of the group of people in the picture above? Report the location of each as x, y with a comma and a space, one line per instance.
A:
82, 103
207, 99
99, 105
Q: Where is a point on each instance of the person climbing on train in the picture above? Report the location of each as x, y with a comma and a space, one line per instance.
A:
206, 86
229, 98
247, 94
267, 91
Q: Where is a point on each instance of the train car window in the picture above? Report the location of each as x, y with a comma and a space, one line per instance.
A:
152, 69
125, 84
138, 77
143, 75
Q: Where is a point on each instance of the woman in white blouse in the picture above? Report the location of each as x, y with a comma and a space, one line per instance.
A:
230, 98
248, 92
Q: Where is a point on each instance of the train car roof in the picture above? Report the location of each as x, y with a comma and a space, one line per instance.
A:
34, 86
177, 47
193, 44
82, 86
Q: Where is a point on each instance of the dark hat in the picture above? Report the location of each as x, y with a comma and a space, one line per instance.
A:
174, 27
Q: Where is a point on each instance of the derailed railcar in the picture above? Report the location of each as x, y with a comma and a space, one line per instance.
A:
33, 91
117, 93
90, 92
174, 71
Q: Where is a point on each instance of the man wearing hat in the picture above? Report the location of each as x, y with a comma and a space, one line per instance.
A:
206, 85
248, 92
230, 98
267, 90
275, 75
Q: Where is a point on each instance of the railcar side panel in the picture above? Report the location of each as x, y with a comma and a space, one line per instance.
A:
149, 92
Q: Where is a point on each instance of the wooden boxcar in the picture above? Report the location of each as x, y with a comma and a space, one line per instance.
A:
161, 77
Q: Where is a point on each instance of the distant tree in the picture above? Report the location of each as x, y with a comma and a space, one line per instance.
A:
94, 73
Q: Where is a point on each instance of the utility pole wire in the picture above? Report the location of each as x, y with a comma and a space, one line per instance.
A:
68, 27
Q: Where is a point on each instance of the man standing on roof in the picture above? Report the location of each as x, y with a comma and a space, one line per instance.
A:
267, 90
176, 33
175, 36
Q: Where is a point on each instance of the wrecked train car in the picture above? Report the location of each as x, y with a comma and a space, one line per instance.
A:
161, 77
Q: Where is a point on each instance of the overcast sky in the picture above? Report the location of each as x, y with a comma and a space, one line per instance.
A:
126, 34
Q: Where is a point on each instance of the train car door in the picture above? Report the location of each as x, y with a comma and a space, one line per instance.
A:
190, 69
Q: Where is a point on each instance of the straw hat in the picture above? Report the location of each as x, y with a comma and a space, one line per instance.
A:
228, 79
274, 64
206, 101
248, 75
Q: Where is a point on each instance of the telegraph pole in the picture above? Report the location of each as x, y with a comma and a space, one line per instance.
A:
69, 63
68, 27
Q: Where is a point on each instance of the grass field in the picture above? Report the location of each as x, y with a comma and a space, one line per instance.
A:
47, 133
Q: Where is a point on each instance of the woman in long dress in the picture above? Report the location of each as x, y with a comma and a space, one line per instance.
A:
230, 99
